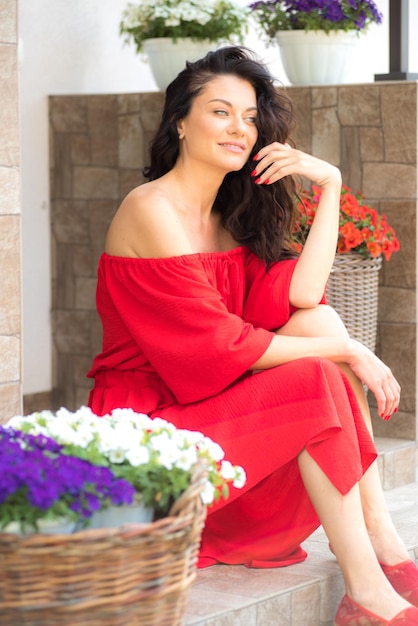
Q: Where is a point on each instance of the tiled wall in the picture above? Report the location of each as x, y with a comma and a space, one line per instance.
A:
99, 145
10, 313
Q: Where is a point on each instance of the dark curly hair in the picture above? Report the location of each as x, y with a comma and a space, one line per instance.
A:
258, 216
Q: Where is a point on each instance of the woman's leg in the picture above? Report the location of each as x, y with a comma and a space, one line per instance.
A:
343, 521
389, 548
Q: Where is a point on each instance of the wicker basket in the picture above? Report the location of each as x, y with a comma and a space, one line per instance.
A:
135, 575
353, 292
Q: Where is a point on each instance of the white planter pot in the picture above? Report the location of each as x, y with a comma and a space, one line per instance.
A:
167, 58
316, 57
46, 527
115, 516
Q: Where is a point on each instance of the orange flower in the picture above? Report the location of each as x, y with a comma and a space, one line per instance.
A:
361, 229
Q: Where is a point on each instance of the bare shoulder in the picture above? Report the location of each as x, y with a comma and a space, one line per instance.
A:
146, 225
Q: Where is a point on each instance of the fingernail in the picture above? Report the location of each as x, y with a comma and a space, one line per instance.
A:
257, 181
254, 173
267, 182
255, 158
395, 410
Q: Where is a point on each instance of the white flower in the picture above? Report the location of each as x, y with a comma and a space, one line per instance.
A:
140, 447
240, 478
117, 455
139, 455
208, 493
187, 459
227, 470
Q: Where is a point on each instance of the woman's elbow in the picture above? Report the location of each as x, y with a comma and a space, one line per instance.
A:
308, 299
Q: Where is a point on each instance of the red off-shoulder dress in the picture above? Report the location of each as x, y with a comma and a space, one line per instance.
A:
179, 335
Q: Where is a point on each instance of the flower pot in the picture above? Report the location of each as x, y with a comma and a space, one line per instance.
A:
167, 57
115, 516
130, 575
316, 57
46, 527
353, 291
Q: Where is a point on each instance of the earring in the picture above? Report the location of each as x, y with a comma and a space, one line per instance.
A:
181, 136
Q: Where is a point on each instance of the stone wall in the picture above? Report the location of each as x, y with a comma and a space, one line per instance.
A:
10, 279
99, 145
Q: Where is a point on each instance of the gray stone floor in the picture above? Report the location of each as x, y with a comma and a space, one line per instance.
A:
306, 594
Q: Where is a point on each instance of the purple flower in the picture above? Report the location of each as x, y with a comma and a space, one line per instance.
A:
37, 477
274, 15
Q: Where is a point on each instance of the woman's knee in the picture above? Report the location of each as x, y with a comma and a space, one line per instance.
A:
320, 321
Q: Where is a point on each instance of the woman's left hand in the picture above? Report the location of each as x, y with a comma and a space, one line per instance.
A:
278, 160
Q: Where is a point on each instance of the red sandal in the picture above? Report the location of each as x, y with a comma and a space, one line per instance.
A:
352, 614
404, 579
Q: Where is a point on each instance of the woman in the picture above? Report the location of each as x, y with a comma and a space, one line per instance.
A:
210, 322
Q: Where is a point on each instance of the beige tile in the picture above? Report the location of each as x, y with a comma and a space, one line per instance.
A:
10, 359
81, 365
82, 261
131, 140
37, 402
129, 179
399, 118
102, 114
10, 401
371, 144
351, 168
305, 605
400, 271
10, 278
359, 105
81, 395
397, 305
326, 138
8, 21
100, 214
72, 332
324, 97
62, 173
10, 190
275, 611
85, 293
397, 349
64, 287
302, 98
80, 149
95, 182
70, 221
332, 590
151, 108
9, 110
68, 113
128, 103
390, 180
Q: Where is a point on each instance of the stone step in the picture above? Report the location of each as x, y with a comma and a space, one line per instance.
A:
305, 594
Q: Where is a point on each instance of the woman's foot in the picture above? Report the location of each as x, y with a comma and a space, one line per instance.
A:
404, 579
352, 614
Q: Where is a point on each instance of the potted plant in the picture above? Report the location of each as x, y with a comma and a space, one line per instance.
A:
136, 573
364, 238
315, 37
44, 489
171, 32
152, 455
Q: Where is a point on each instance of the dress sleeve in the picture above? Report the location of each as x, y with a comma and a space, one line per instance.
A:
267, 302
180, 323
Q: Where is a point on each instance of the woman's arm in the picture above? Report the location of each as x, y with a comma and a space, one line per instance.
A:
366, 365
312, 271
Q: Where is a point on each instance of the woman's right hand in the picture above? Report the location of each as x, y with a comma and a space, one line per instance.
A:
377, 376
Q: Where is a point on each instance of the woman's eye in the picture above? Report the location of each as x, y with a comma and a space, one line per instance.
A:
251, 119
221, 112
